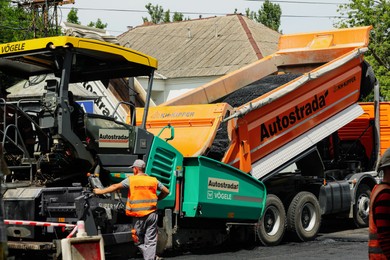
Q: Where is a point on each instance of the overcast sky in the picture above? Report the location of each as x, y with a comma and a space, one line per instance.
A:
297, 16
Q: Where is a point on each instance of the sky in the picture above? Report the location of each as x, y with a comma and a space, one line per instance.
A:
297, 16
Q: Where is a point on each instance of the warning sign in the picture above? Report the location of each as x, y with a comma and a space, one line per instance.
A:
90, 251
83, 248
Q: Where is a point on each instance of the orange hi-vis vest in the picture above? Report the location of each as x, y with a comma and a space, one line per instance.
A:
142, 196
374, 250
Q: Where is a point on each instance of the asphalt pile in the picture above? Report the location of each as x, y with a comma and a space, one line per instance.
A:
239, 98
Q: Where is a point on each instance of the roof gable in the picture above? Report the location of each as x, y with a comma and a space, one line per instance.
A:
203, 47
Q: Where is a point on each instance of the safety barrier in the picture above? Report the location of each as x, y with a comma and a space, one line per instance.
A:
73, 248
42, 224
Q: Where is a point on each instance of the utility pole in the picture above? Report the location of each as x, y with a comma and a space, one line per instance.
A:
44, 15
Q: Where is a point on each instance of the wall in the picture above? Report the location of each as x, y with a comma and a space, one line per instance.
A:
167, 89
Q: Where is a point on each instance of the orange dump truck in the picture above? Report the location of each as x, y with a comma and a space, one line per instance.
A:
293, 121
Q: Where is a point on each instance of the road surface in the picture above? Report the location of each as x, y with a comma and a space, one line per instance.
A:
337, 239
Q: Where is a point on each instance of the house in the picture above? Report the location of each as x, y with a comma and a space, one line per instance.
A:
194, 52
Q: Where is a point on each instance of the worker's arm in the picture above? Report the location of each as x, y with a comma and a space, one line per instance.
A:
109, 189
164, 192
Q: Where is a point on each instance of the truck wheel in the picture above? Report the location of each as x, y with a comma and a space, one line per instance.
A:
272, 225
303, 216
361, 206
368, 80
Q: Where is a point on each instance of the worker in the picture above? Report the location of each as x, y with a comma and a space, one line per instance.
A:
379, 218
141, 206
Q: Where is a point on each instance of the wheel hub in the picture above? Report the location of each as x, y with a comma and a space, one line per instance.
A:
308, 217
364, 206
272, 221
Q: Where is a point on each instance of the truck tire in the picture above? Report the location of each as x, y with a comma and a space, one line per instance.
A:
368, 80
362, 206
304, 216
271, 227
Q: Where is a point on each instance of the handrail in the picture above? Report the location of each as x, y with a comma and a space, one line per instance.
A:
24, 150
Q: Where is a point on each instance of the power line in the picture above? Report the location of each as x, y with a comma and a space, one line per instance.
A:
312, 16
298, 2
190, 13
217, 13
133, 10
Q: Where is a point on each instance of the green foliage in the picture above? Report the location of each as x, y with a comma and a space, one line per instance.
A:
167, 18
99, 24
269, 15
177, 17
14, 26
73, 17
14, 23
158, 15
377, 14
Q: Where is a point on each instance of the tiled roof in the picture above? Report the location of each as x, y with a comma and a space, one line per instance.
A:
203, 47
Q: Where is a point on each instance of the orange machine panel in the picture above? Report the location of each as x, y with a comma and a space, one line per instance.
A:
195, 126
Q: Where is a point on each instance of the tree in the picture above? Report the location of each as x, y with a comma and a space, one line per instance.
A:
155, 12
14, 23
73, 17
177, 17
14, 26
167, 18
158, 15
99, 24
377, 14
269, 15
